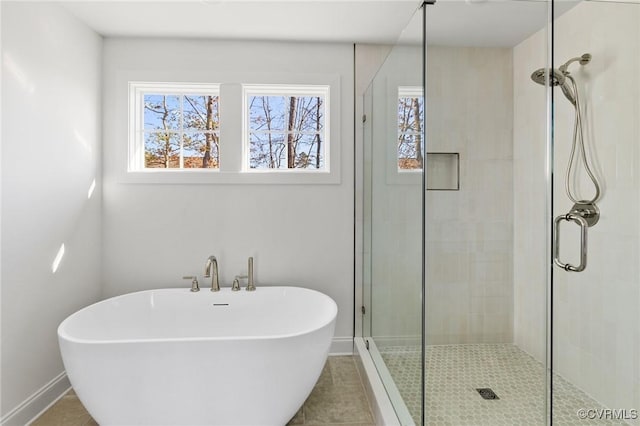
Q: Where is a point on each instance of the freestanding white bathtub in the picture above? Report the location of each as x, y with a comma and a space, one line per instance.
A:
173, 357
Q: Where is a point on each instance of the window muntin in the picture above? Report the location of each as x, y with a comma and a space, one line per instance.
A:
286, 128
175, 127
410, 128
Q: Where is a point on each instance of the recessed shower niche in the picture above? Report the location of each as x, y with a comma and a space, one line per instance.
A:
443, 171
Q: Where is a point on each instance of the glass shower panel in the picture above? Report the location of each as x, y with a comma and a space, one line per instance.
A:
596, 315
366, 211
393, 222
486, 275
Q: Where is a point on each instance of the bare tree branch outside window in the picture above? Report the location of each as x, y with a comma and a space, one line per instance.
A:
410, 128
181, 131
286, 132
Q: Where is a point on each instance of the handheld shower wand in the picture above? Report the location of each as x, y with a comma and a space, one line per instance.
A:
562, 77
584, 212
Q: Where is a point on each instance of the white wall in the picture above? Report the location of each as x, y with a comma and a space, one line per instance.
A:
51, 70
298, 234
596, 317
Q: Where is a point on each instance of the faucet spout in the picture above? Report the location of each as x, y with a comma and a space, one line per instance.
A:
211, 270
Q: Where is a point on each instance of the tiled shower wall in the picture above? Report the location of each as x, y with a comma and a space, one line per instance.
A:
530, 259
470, 232
596, 317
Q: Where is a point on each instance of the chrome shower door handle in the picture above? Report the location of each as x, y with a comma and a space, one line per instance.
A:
570, 217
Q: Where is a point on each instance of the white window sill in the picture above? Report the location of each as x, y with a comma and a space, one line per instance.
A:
182, 176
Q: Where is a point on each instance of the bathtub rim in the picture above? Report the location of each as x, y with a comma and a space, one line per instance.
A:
63, 335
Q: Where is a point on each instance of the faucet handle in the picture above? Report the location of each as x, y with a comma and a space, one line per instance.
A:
236, 283
250, 285
194, 283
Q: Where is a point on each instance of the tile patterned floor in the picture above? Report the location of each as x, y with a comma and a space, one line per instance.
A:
67, 411
337, 399
454, 372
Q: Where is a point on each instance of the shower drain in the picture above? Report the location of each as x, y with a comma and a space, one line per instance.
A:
487, 393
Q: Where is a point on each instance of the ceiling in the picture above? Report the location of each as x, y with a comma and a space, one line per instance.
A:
328, 21
488, 23
450, 22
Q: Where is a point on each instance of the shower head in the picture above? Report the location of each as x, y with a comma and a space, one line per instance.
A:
556, 78
561, 77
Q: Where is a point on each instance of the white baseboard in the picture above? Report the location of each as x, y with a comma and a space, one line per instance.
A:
37, 403
341, 346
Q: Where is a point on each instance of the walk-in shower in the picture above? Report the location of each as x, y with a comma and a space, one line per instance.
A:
465, 315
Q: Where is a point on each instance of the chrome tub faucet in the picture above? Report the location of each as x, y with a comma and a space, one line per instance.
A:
211, 270
194, 283
250, 285
249, 276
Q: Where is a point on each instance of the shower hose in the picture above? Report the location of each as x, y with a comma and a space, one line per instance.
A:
578, 145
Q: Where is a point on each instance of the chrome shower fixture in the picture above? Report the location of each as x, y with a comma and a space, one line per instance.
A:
584, 60
561, 77
557, 78
584, 212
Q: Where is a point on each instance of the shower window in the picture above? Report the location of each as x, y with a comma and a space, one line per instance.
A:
410, 127
174, 126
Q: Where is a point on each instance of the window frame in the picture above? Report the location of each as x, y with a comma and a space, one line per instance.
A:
299, 90
231, 128
136, 143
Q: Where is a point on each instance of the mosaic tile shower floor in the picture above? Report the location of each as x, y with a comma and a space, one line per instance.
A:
454, 372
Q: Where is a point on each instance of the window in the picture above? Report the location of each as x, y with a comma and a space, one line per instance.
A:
174, 126
233, 133
410, 128
286, 128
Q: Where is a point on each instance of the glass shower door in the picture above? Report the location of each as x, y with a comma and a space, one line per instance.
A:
486, 214
596, 315
393, 222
